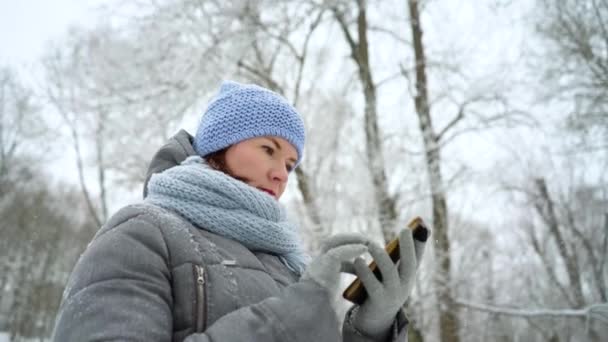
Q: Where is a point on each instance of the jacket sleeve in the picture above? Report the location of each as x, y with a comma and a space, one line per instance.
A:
120, 289
398, 331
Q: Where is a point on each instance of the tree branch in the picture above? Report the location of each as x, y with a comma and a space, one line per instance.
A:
390, 33
601, 22
459, 116
354, 46
302, 57
597, 311
75, 140
272, 84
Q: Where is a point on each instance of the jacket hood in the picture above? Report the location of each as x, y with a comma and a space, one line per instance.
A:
175, 151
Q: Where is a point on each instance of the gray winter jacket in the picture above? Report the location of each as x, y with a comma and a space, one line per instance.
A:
149, 275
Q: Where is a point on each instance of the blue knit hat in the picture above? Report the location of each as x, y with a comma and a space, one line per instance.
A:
244, 111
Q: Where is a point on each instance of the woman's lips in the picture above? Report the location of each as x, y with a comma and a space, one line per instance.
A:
270, 192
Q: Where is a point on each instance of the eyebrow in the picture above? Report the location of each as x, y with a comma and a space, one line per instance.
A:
276, 143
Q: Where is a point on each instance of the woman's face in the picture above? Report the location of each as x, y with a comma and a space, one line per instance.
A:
262, 162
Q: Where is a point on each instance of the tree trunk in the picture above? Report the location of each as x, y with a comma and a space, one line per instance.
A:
448, 323
79, 165
101, 167
546, 210
311, 207
387, 204
375, 157
387, 211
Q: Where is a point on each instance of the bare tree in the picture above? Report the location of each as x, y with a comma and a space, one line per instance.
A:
66, 90
360, 54
448, 316
120, 96
20, 122
22, 128
551, 250
348, 15
45, 235
574, 65
477, 109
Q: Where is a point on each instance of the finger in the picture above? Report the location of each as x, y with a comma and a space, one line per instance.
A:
345, 253
348, 267
370, 282
390, 274
419, 247
344, 239
408, 261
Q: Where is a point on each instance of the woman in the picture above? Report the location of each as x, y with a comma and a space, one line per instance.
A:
209, 254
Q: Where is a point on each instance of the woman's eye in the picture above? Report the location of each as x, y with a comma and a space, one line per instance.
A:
289, 167
268, 149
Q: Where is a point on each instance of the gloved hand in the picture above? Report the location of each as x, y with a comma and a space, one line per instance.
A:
386, 297
336, 255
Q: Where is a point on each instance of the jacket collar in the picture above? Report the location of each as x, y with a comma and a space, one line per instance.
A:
176, 150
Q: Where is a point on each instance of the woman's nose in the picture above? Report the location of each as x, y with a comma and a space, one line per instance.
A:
279, 173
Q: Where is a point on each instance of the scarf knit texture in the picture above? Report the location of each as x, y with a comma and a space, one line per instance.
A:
216, 202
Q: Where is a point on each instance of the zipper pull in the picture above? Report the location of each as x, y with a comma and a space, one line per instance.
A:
199, 273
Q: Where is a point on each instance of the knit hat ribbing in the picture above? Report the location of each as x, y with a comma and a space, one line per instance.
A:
244, 111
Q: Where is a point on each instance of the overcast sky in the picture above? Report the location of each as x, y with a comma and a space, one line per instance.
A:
26, 25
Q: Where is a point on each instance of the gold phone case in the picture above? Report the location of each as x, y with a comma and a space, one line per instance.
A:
355, 292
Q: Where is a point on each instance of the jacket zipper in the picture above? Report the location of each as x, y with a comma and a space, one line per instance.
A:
201, 300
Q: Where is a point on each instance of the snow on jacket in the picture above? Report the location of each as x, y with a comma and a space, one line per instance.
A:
149, 275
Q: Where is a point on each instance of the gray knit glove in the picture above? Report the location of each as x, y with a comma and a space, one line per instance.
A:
336, 256
386, 297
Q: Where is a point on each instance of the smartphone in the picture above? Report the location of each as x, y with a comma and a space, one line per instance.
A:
355, 292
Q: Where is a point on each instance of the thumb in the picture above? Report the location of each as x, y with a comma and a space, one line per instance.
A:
419, 248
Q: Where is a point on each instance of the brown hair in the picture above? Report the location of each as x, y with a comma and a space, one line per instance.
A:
217, 160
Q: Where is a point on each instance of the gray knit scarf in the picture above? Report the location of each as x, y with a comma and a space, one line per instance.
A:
216, 202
